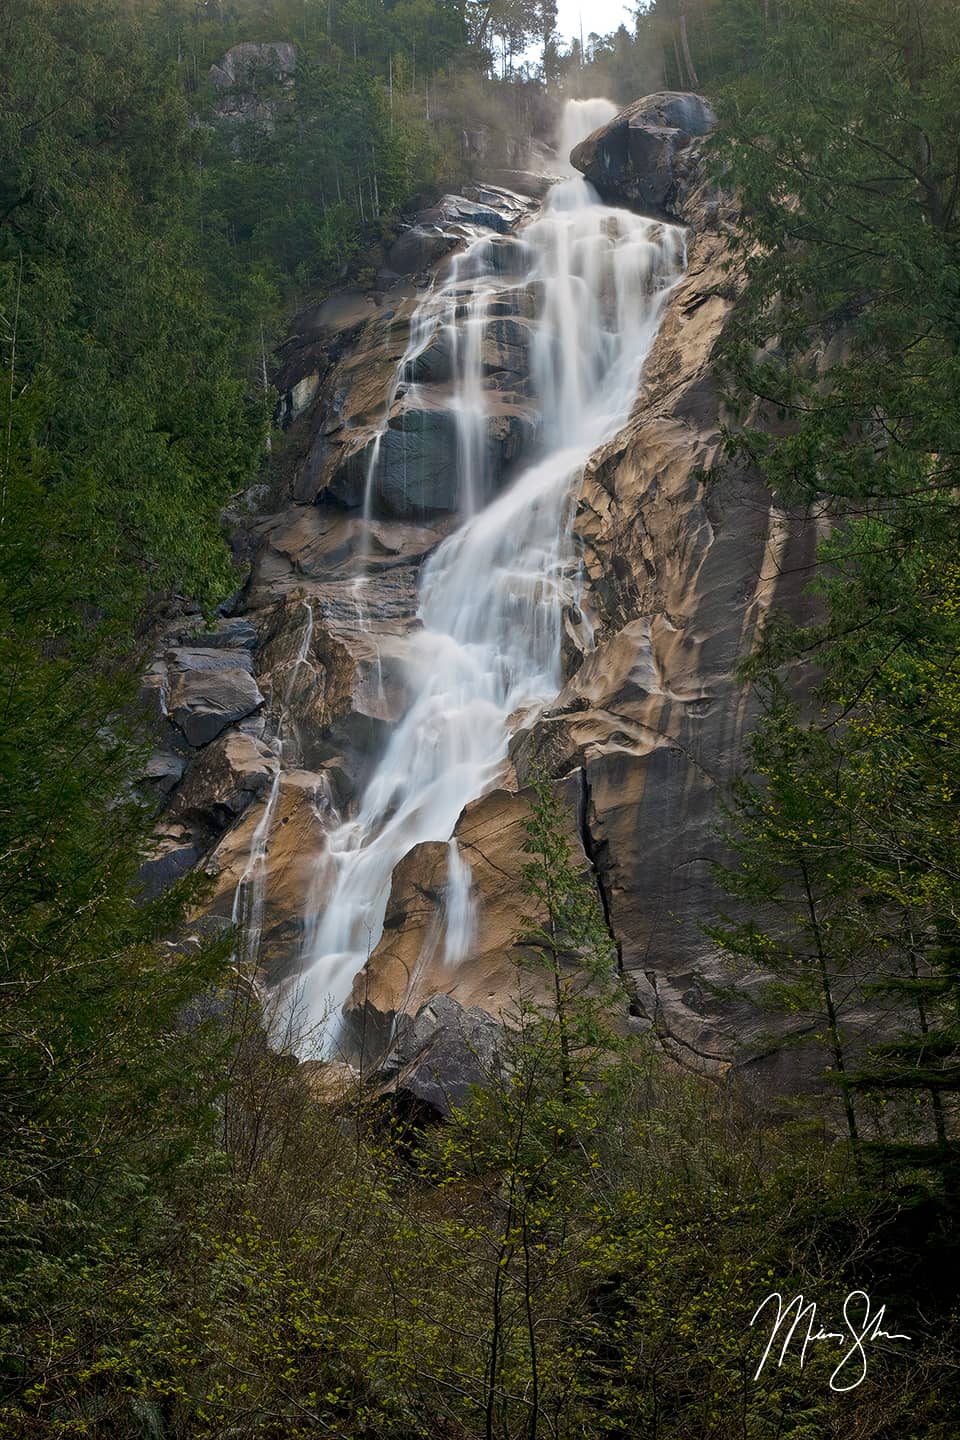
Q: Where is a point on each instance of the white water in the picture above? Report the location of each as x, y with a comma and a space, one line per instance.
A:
579, 119
487, 657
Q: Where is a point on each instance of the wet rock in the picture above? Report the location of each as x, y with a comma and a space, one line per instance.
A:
533, 183
338, 702
295, 853
489, 207
413, 470
413, 959
643, 156
222, 780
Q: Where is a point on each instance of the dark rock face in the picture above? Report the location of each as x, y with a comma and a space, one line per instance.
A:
169, 864
417, 249
644, 157
416, 462
439, 1055
203, 702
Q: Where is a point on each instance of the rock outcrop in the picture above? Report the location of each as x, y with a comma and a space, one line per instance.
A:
437, 1056
645, 157
247, 80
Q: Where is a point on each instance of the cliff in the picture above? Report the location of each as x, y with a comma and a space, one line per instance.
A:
274, 722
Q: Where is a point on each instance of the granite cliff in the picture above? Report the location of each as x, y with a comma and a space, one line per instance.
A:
274, 721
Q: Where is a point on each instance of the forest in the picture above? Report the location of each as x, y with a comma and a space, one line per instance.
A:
201, 1240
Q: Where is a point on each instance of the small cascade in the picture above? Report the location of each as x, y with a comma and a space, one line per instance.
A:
250, 894
579, 119
459, 917
486, 656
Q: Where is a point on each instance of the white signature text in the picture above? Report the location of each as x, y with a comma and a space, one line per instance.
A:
863, 1326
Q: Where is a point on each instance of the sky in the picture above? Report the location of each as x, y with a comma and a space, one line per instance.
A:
601, 16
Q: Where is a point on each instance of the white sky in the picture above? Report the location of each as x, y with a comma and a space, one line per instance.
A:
601, 16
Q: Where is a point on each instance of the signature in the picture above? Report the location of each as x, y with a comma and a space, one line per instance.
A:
861, 1329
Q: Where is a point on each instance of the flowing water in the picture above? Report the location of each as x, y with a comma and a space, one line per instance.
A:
486, 656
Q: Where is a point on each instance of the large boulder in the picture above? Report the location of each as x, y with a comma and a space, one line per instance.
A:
202, 703
645, 157
439, 1055
222, 780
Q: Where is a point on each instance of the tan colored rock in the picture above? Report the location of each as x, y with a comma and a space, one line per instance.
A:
410, 964
682, 563
295, 846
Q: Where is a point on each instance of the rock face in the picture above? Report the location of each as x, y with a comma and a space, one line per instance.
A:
438, 1055
645, 157
204, 700
247, 78
269, 723
411, 962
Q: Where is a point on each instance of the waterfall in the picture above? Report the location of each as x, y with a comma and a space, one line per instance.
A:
579, 119
486, 657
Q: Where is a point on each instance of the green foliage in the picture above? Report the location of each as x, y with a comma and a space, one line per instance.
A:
567, 937
199, 1239
841, 139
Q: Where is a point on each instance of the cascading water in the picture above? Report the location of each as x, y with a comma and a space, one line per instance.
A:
486, 657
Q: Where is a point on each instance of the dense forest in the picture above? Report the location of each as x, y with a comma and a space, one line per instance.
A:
195, 1242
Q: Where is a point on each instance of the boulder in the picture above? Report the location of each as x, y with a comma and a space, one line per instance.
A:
645, 157
203, 702
489, 207
222, 780
418, 248
234, 633
164, 769
439, 1055
208, 657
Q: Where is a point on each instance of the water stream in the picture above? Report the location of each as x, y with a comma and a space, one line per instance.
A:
486, 657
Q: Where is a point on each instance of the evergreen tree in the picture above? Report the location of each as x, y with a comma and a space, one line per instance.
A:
840, 140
